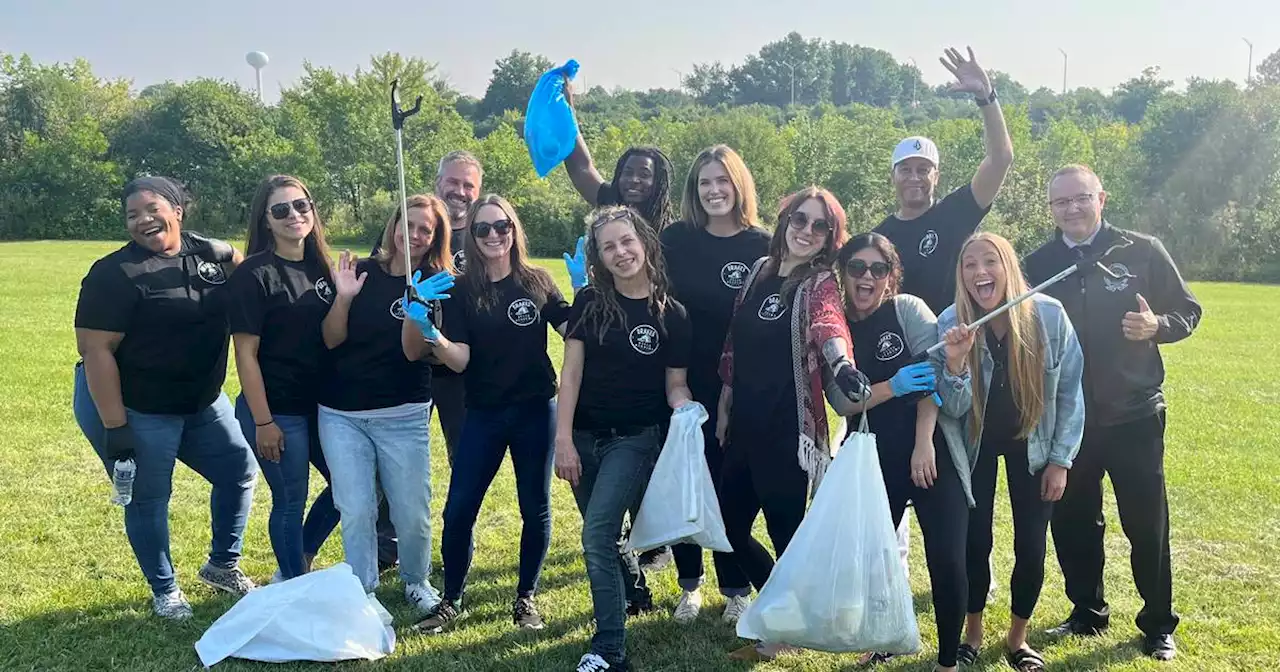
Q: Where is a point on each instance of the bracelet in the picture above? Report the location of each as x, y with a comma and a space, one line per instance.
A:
264, 424
983, 102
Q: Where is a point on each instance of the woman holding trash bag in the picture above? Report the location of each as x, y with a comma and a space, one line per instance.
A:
151, 327
496, 324
375, 403
625, 362
279, 296
891, 330
788, 324
1012, 389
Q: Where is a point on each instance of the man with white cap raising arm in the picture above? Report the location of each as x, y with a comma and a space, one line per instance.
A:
929, 234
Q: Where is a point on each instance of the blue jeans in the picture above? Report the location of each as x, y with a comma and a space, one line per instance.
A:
486, 434
615, 473
211, 443
288, 480
391, 450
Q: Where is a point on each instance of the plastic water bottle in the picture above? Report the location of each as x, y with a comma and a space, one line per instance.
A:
122, 482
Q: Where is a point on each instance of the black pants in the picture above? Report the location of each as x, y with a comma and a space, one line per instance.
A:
1133, 455
761, 473
729, 577
1031, 516
448, 397
943, 512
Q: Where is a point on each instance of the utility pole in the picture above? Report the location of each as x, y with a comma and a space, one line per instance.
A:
793, 82
914, 76
680, 81
1248, 74
1064, 71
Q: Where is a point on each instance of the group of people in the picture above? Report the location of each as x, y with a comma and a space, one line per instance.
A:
342, 361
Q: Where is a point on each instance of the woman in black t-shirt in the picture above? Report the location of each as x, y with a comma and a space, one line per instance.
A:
279, 296
151, 326
625, 363
495, 334
889, 331
375, 403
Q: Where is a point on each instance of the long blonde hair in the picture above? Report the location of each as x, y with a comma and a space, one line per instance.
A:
1026, 350
746, 207
438, 257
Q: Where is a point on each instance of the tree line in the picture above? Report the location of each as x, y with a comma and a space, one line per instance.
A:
1199, 166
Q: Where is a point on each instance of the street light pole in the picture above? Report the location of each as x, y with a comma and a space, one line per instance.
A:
793, 82
1064, 71
1248, 75
681, 80
914, 77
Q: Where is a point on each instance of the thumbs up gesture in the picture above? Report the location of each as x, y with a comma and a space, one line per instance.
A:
1142, 324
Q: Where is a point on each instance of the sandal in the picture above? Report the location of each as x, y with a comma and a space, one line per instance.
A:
875, 658
1024, 660
966, 655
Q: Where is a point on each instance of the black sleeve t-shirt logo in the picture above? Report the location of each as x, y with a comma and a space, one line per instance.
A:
772, 308
645, 339
324, 290
211, 273
522, 312
889, 346
734, 274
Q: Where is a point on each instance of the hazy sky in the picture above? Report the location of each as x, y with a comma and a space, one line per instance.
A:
639, 44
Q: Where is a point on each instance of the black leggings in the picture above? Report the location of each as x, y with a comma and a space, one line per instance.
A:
943, 512
1030, 527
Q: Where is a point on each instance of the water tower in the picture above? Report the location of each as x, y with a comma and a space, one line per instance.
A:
258, 60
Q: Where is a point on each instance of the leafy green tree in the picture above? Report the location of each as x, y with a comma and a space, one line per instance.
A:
513, 80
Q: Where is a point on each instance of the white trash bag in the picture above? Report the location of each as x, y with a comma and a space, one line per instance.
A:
839, 586
680, 504
320, 616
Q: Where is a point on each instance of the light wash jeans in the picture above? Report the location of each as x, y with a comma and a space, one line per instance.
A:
390, 447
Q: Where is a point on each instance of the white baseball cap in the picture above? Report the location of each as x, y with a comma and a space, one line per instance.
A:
915, 145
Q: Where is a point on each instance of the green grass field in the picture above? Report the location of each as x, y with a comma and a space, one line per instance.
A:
72, 598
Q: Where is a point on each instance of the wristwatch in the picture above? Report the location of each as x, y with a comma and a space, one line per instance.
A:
983, 102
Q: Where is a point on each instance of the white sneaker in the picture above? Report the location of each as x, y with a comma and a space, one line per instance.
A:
592, 663
172, 606
690, 605
735, 607
422, 596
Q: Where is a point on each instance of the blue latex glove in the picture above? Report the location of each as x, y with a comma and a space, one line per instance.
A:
420, 315
577, 264
433, 288
918, 377
550, 129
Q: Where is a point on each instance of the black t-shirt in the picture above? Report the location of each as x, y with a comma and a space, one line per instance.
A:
764, 382
369, 370
929, 245
1001, 418
283, 303
624, 378
508, 340
706, 272
891, 337
172, 312
458, 246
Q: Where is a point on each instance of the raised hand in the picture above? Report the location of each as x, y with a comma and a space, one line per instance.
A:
959, 342
347, 284
577, 264
433, 288
970, 77
1141, 325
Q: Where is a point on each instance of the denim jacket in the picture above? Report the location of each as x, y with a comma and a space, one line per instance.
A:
1056, 438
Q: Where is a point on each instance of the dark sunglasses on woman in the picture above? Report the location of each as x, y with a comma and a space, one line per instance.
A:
800, 220
281, 210
482, 229
857, 268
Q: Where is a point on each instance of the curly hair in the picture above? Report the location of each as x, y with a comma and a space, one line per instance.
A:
605, 310
656, 209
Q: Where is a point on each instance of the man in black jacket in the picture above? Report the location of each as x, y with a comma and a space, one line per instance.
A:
1121, 318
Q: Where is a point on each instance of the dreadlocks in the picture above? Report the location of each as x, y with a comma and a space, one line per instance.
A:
605, 309
657, 208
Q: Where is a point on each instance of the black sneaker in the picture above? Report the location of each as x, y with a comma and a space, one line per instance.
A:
1074, 626
445, 613
641, 605
524, 613
656, 560
1160, 647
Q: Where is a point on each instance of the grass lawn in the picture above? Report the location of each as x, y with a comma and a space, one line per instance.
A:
72, 598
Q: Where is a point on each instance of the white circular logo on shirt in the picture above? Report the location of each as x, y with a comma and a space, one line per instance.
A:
460, 260
888, 346
1114, 285
734, 274
644, 339
522, 312
772, 308
211, 273
928, 243
397, 309
324, 290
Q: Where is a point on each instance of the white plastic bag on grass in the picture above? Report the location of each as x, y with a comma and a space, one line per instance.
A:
320, 616
839, 586
680, 504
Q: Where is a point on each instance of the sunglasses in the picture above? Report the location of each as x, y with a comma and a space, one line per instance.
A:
281, 210
482, 229
857, 268
799, 221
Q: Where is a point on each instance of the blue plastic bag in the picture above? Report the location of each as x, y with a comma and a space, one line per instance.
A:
550, 129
